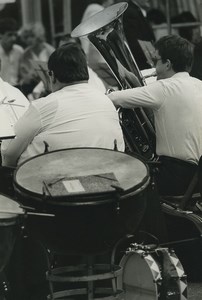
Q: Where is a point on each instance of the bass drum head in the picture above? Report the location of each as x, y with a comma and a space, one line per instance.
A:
141, 277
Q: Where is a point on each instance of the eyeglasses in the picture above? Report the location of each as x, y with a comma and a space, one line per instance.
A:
155, 60
50, 73
11, 34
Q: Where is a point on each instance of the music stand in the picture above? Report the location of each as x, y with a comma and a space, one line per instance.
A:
148, 50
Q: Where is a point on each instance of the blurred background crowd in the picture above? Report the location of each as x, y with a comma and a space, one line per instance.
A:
31, 30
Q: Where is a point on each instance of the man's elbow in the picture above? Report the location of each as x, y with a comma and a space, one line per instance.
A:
8, 160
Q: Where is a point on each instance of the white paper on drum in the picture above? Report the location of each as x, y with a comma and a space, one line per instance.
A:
73, 186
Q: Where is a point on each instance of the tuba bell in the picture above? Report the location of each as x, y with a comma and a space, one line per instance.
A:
105, 32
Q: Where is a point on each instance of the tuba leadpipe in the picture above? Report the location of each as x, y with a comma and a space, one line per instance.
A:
105, 31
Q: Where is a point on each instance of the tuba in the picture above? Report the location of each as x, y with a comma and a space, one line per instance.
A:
105, 32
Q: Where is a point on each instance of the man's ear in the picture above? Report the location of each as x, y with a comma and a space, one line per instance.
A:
168, 64
54, 78
52, 81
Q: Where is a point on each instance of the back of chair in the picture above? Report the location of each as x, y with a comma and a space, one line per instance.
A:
200, 175
6, 181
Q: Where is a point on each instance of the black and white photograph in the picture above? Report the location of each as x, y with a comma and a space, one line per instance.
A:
100, 149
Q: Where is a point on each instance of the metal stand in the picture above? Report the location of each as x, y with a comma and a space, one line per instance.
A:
85, 273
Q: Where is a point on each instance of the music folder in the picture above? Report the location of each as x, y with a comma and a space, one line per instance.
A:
6, 124
82, 185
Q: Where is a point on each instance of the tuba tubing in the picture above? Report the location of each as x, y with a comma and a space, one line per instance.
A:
105, 31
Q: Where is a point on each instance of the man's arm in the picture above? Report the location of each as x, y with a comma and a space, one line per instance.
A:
151, 96
26, 129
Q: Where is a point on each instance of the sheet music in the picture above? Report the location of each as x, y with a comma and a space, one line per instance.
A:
149, 75
7, 121
148, 50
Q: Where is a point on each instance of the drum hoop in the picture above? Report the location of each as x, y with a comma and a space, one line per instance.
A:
4, 222
82, 198
178, 268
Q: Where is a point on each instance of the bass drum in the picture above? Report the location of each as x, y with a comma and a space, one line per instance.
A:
152, 274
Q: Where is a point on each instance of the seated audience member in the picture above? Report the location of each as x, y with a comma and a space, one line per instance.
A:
137, 27
191, 33
95, 60
176, 100
93, 7
157, 17
73, 115
10, 52
37, 50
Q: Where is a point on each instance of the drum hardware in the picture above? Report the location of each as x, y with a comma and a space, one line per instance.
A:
46, 147
136, 246
5, 289
25, 213
100, 272
115, 145
91, 274
27, 207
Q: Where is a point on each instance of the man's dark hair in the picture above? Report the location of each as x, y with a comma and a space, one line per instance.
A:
8, 25
178, 50
68, 63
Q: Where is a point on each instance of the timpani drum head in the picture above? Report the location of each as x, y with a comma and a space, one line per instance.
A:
9, 209
131, 172
9, 212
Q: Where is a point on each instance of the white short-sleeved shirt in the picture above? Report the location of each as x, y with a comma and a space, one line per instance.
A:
10, 64
177, 107
14, 103
75, 116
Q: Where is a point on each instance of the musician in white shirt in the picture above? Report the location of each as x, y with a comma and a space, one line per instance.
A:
176, 100
73, 115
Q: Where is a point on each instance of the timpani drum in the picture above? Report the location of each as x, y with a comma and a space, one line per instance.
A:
9, 226
95, 195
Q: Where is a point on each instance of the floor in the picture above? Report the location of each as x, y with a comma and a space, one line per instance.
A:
195, 291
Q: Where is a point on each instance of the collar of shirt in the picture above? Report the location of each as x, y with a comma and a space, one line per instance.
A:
181, 74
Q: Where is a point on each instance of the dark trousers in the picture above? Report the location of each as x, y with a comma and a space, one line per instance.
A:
174, 176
